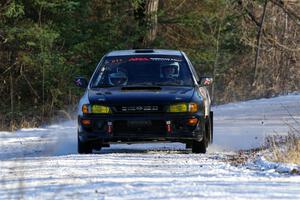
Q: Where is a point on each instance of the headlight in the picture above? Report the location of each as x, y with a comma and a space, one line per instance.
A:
183, 107
95, 109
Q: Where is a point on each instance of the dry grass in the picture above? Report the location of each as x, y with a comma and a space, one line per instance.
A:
241, 157
35, 119
284, 149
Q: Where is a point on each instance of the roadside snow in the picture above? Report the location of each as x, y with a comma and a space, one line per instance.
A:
43, 163
156, 175
245, 125
263, 164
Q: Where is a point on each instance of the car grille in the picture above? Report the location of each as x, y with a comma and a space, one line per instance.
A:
139, 128
138, 109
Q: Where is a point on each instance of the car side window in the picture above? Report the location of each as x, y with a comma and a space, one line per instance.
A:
193, 70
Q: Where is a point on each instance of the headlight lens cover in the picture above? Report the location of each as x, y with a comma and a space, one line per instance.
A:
95, 109
85, 108
183, 107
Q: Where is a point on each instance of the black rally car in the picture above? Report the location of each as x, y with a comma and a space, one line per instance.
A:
144, 95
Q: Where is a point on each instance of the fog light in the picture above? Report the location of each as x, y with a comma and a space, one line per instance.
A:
192, 122
86, 122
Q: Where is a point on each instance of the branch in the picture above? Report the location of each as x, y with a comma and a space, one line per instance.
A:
31, 87
249, 13
281, 45
258, 40
180, 5
4, 4
287, 10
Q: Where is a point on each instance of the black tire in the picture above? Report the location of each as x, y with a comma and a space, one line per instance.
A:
212, 126
188, 145
209, 129
199, 147
98, 147
84, 147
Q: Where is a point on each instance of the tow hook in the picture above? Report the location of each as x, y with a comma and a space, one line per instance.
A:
109, 129
168, 126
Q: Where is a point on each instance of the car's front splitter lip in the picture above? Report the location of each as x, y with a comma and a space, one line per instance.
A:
128, 139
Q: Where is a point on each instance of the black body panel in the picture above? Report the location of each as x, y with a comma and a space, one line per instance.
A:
141, 96
140, 112
141, 127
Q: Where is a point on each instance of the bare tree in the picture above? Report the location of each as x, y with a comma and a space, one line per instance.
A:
145, 13
258, 42
275, 43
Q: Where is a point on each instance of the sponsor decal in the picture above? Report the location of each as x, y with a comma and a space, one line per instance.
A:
166, 59
116, 61
138, 59
154, 59
139, 108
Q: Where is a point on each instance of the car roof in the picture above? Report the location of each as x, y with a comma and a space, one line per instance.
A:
137, 52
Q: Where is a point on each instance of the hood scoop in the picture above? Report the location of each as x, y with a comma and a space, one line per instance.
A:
140, 88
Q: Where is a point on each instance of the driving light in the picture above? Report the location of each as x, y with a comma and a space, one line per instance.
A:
95, 109
183, 107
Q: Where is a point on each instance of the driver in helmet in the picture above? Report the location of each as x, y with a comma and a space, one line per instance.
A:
170, 71
117, 78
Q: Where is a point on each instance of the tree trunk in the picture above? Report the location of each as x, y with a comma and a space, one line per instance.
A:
11, 100
152, 22
258, 41
146, 15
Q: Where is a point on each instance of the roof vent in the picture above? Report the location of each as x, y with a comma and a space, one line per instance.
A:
144, 51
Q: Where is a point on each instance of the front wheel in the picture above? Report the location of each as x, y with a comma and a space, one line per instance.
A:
209, 129
84, 147
199, 147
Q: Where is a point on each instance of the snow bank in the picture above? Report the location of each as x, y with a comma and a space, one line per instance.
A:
261, 163
244, 125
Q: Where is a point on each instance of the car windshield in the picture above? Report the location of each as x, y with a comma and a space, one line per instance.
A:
142, 71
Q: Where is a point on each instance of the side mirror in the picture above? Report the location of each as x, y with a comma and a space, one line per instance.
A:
205, 81
81, 82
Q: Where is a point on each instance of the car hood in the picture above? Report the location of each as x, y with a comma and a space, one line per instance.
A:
140, 95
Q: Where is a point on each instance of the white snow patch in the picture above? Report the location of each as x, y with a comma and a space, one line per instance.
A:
43, 163
263, 164
244, 125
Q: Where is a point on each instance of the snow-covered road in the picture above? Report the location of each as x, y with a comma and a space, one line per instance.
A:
43, 164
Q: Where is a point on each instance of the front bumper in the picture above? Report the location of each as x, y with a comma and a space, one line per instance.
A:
134, 128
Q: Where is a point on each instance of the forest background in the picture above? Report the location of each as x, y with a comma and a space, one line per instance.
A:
250, 47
